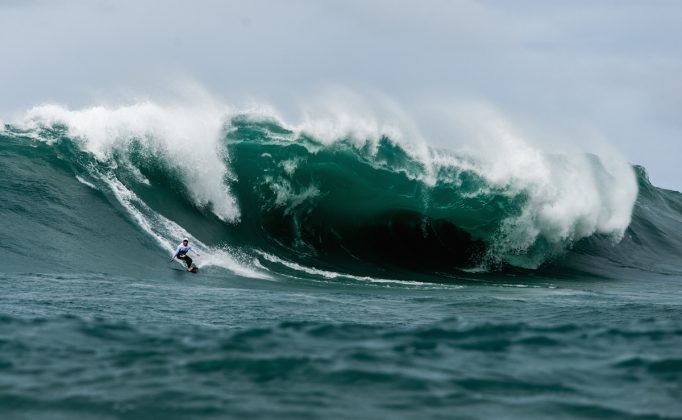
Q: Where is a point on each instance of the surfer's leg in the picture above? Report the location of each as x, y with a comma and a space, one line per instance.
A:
188, 261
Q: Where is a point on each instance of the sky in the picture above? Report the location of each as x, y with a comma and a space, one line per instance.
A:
578, 69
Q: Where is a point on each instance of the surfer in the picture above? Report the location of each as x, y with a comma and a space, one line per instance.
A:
181, 253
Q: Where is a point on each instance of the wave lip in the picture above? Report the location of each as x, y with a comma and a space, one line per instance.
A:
186, 139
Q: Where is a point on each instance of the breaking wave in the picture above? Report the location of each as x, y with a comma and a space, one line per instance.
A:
265, 196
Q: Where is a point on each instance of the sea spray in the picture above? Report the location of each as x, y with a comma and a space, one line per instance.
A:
187, 138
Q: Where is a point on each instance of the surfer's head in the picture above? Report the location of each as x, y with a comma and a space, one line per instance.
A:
185, 241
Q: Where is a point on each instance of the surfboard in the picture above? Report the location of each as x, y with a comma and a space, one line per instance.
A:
194, 269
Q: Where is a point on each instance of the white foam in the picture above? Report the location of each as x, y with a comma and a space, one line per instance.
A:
187, 136
84, 182
340, 114
290, 165
287, 196
167, 233
334, 275
570, 195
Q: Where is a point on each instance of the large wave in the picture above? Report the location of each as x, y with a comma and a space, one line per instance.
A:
264, 195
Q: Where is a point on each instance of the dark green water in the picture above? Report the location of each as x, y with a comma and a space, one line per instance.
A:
346, 286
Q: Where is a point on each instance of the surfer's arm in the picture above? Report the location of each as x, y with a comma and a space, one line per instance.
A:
196, 253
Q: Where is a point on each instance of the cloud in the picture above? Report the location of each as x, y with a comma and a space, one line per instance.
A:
609, 67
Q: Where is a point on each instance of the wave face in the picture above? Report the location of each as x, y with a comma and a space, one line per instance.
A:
263, 197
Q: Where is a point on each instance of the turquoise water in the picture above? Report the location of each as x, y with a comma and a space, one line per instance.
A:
344, 279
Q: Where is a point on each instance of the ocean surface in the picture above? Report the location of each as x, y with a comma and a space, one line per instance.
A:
344, 274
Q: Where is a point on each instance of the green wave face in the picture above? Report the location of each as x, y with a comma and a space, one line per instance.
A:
359, 202
359, 206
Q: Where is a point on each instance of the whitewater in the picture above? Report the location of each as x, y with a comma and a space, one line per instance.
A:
352, 267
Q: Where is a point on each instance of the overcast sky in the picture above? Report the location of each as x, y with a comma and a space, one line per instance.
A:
608, 67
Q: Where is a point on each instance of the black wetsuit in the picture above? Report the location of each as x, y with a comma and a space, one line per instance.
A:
186, 259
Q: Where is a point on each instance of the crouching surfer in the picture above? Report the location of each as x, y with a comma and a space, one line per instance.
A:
181, 253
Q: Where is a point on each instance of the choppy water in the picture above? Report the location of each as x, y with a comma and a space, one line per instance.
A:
349, 278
